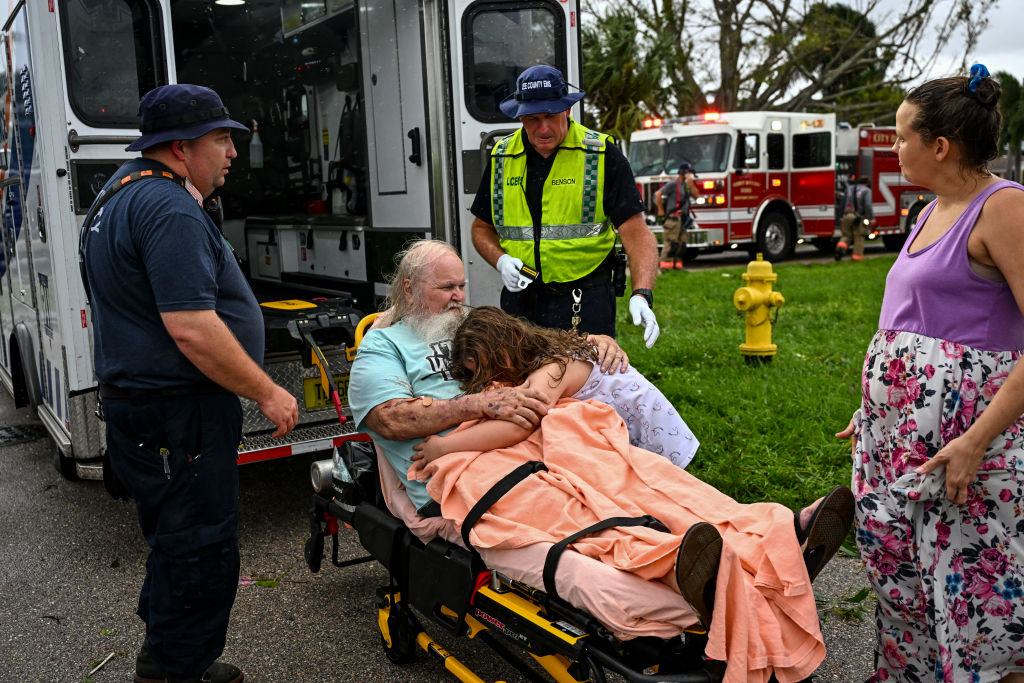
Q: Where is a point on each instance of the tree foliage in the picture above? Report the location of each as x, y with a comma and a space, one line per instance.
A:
789, 55
1011, 106
621, 80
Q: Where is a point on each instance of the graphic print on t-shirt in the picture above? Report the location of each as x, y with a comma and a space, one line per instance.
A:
440, 358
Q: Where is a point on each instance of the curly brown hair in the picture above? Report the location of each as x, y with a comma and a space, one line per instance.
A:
506, 350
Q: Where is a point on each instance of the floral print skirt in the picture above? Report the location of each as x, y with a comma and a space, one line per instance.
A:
948, 577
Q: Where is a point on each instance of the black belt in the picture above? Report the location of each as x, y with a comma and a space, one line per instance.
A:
197, 388
599, 276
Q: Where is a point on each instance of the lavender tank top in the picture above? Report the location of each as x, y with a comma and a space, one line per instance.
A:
934, 292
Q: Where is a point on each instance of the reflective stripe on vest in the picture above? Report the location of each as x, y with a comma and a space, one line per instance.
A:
576, 235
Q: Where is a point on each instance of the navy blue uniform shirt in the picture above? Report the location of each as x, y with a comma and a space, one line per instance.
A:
152, 249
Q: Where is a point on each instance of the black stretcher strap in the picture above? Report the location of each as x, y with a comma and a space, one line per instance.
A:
555, 553
507, 483
504, 485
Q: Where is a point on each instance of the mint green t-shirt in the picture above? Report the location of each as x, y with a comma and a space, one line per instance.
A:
395, 363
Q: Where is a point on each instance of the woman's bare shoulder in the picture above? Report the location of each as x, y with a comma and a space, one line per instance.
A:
1002, 218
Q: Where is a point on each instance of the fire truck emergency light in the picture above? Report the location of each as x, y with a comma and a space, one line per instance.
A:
711, 115
652, 123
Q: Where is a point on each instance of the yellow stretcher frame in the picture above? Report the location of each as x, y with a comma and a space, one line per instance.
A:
567, 644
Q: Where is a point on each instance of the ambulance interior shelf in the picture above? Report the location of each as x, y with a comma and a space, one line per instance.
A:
303, 94
322, 246
338, 255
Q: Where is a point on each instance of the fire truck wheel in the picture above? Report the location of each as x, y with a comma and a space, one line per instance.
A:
775, 237
690, 255
64, 464
894, 242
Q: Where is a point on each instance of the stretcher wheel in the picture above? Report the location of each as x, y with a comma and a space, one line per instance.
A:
398, 655
403, 631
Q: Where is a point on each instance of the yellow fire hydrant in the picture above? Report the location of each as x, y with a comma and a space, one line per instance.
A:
758, 300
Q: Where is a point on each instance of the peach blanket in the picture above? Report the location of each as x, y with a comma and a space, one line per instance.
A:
765, 618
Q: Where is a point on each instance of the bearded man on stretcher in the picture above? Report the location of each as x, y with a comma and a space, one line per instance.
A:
694, 557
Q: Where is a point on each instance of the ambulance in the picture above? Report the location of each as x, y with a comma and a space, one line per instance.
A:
371, 124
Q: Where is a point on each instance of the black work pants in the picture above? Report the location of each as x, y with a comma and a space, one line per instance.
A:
551, 306
177, 456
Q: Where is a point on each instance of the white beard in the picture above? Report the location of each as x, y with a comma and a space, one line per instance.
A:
435, 327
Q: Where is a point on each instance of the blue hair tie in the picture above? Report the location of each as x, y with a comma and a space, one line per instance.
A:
978, 72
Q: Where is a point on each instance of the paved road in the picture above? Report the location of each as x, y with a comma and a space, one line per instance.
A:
803, 253
73, 559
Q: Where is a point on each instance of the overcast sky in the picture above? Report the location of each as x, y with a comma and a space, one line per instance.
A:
1000, 48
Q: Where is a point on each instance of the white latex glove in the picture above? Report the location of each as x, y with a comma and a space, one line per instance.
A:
508, 267
642, 314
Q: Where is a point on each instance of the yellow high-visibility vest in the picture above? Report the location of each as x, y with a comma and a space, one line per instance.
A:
575, 234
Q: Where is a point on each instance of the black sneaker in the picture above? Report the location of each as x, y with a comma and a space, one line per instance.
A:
826, 530
697, 562
148, 671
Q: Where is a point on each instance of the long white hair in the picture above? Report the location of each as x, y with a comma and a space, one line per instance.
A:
413, 263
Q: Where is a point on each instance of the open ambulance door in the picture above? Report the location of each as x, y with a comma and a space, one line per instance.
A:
110, 54
491, 43
391, 43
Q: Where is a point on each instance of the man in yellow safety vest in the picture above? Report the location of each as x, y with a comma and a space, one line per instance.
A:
545, 213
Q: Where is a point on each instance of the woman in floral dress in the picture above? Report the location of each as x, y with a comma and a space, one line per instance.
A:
939, 440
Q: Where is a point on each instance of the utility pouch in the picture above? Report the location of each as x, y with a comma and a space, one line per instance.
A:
619, 274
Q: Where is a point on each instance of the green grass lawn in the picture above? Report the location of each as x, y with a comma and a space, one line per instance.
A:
766, 431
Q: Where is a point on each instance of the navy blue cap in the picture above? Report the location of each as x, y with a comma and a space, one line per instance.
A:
684, 167
180, 112
540, 89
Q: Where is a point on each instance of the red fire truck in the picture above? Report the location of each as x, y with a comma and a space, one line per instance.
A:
771, 180
867, 151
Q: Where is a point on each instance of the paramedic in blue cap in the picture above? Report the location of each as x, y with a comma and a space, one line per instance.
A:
177, 334
547, 212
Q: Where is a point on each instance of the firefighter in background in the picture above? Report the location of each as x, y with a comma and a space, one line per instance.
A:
858, 219
673, 200
549, 201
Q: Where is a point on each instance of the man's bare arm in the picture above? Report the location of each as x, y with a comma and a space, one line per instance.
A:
642, 250
208, 343
485, 239
415, 418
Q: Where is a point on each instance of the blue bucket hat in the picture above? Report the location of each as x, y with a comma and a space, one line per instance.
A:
540, 89
180, 112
